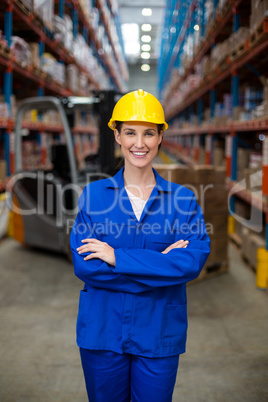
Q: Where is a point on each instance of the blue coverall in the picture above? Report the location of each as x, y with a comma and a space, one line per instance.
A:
139, 306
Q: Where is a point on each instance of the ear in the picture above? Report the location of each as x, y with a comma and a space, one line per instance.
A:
160, 137
117, 136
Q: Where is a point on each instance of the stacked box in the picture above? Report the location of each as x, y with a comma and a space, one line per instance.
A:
29, 4
253, 98
44, 9
4, 113
3, 169
242, 162
208, 184
237, 38
202, 156
237, 112
219, 53
265, 95
218, 156
171, 172
72, 77
221, 4
259, 11
253, 179
59, 73
35, 54
21, 50
206, 65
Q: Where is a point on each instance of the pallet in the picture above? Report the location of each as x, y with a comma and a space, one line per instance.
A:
26, 10
235, 239
237, 242
224, 64
5, 50
211, 271
260, 34
225, 9
238, 52
247, 262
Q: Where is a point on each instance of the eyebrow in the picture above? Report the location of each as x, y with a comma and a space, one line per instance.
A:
133, 129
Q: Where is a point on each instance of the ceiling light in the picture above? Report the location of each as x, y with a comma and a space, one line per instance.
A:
130, 34
145, 55
145, 67
196, 27
146, 48
132, 48
146, 27
146, 38
147, 12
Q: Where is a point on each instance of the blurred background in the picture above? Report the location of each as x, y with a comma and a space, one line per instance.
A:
63, 66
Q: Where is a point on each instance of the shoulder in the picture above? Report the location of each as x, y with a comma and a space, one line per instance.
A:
97, 186
177, 189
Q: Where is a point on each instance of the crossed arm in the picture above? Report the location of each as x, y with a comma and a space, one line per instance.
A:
138, 270
103, 251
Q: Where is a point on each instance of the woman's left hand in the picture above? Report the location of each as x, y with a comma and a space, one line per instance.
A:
99, 249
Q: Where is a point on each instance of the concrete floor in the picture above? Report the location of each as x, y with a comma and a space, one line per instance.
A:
227, 350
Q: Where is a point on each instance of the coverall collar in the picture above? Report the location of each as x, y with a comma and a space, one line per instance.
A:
117, 182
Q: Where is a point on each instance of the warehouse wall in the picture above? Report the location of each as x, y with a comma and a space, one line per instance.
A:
145, 80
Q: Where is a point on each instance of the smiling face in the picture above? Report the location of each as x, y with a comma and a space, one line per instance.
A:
139, 142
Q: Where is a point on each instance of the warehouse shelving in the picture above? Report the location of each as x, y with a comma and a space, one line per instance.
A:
106, 18
226, 69
18, 15
245, 62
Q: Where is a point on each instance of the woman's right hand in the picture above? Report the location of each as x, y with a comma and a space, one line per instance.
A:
178, 244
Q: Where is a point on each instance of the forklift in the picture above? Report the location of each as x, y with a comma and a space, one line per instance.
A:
44, 202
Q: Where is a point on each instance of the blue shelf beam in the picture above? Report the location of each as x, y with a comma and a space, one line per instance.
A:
8, 84
236, 21
235, 90
234, 157
212, 102
200, 109
61, 8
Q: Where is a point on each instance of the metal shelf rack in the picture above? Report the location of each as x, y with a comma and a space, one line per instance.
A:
247, 63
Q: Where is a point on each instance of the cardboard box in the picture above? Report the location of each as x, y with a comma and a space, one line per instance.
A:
218, 156
171, 172
218, 222
35, 54
253, 178
194, 177
213, 200
218, 250
220, 175
3, 167
243, 156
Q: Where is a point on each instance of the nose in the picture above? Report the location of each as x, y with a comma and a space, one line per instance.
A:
139, 141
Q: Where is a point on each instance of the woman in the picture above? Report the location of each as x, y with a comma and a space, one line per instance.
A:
136, 242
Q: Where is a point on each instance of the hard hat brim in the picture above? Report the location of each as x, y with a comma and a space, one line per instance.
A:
111, 123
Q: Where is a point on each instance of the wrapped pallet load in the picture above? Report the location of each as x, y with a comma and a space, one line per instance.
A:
208, 183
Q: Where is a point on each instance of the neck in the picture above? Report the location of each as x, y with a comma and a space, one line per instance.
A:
141, 177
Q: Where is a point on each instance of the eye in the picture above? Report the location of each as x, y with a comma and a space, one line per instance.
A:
130, 133
149, 133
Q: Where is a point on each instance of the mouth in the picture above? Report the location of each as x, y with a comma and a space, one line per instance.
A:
139, 154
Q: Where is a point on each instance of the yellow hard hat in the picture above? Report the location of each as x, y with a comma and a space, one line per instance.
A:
138, 106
